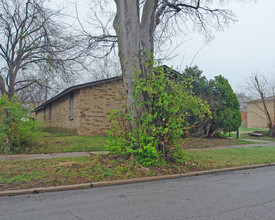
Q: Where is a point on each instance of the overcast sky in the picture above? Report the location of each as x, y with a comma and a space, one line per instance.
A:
247, 46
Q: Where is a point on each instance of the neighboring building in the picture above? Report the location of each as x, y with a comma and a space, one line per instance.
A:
244, 119
256, 117
83, 109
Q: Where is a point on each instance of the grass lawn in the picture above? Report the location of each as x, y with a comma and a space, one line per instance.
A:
212, 142
244, 133
59, 142
52, 172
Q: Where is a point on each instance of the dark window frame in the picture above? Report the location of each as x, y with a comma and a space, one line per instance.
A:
45, 113
50, 112
71, 109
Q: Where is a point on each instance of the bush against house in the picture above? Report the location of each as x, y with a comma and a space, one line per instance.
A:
223, 102
168, 105
16, 126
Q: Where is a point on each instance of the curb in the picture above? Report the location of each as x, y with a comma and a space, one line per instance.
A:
128, 181
44, 189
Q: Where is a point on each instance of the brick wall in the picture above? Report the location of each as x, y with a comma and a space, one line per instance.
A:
95, 103
255, 116
60, 114
91, 109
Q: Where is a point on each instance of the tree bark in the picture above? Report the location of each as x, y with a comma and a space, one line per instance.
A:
270, 123
135, 40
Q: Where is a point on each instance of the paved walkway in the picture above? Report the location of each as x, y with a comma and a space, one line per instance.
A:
266, 144
87, 154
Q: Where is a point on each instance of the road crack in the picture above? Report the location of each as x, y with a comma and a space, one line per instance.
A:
250, 206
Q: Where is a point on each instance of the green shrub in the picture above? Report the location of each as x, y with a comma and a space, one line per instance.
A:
222, 100
16, 126
168, 106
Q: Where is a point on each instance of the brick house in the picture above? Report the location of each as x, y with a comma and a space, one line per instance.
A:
83, 109
256, 117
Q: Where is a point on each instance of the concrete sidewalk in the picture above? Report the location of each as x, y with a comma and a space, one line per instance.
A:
265, 144
87, 154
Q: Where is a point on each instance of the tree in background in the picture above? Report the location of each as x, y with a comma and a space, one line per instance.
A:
226, 114
33, 46
262, 86
222, 101
17, 127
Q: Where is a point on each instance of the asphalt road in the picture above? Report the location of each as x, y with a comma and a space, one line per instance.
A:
248, 194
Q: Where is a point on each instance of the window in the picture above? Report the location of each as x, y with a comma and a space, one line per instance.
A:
72, 106
45, 113
50, 112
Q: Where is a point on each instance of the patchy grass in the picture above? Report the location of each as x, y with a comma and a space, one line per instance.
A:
212, 142
53, 172
46, 142
59, 142
220, 158
245, 134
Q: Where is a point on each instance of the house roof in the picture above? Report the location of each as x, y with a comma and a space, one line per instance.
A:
174, 73
77, 87
266, 99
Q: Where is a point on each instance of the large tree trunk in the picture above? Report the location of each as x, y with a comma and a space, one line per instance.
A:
135, 42
126, 24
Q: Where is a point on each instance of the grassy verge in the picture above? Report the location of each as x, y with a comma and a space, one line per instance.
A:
53, 172
214, 158
213, 142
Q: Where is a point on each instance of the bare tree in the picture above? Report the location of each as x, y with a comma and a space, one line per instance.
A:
136, 23
100, 42
260, 86
33, 46
243, 99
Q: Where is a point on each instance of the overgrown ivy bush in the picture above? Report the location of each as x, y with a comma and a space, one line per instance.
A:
168, 106
17, 128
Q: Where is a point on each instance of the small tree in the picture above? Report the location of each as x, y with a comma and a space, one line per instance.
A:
157, 136
261, 86
226, 115
222, 101
16, 126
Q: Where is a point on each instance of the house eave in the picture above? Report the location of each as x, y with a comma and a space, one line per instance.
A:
75, 88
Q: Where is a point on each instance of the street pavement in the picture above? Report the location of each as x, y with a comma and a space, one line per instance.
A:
246, 194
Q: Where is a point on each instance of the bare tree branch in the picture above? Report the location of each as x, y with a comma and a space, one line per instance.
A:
32, 39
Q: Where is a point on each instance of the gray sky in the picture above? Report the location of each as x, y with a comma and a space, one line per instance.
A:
245, 47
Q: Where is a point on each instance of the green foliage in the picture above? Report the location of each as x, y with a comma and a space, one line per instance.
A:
226, 114
223, 102
16, 126
168, 105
